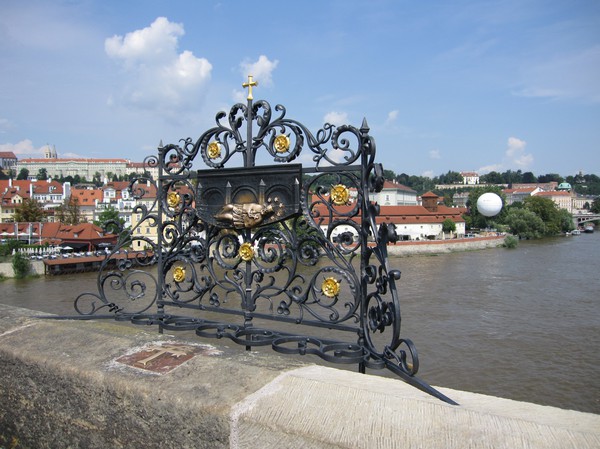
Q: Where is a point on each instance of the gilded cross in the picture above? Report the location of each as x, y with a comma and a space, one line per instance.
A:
249, 85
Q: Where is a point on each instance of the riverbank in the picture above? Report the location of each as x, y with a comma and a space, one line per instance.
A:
61, 266
445, 246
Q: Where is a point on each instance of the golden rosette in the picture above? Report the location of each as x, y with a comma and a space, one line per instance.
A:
173, 199
281, 143
330, 287
214, 150
340, 195
179, 274
246, 252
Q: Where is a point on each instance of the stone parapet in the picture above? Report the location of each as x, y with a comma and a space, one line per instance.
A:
98, 384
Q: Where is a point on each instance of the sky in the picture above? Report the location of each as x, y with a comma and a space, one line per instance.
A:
444, 85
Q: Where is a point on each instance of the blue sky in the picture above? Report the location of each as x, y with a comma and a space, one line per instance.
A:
456, 85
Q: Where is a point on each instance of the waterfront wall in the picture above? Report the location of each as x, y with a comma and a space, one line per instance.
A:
6, 269
68, 384
399, 249
444, 246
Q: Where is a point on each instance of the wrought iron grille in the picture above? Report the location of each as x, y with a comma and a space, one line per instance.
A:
297, 245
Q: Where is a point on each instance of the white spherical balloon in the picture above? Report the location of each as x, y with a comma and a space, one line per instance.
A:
489, 204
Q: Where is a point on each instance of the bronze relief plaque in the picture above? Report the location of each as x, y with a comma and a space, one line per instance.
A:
243, 198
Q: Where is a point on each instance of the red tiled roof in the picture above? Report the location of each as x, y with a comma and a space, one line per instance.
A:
74, 159
402, 214
553, 193
396, 186
7, 155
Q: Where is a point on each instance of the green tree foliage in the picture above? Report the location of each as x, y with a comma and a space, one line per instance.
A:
109, 219
529, 178
21, 266
42, 174
23, 174
565, 220
525, 223
69, 212
492, 177
551, 177
8, 248
595, 207
29, 210
548, 212
452, 177
448, 226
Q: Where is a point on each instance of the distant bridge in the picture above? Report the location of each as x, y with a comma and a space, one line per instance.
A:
584, 218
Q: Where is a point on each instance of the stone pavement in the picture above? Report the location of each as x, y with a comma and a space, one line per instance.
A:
99, 384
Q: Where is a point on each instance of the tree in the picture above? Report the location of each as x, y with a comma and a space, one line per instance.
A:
389, 175
69, 212
529, 177
110, 221
525, 223
21, 266
550, 177
42, 174
448, 226
492, 177
547, 210
452, 177
595, 208
29, 210
23, 174
565, 220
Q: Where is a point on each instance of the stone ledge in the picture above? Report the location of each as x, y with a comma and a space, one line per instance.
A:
61, 386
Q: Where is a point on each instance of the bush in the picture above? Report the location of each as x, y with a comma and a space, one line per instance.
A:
21, 266
510, 241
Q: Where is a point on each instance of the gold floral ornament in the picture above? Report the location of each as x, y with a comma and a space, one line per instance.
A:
214, 150
330, 287
281, 143
173, 199
246, 252
179, 274
340, 194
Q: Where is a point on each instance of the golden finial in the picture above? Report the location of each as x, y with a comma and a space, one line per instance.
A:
249, 85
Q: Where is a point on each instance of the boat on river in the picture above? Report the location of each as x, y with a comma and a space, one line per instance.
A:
588, 229
575, 232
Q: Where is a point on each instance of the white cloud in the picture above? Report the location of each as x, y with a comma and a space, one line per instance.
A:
391, 117
157, 77
23, 148
336, 118
434, 154
261, 70
489, 168
428, 174
514, 156
262, 73
516, 153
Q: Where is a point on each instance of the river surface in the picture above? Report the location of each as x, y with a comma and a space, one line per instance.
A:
518, 323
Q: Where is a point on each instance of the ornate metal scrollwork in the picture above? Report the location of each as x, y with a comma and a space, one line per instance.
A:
288, 243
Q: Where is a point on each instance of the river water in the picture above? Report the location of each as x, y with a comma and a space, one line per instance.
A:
521, 324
